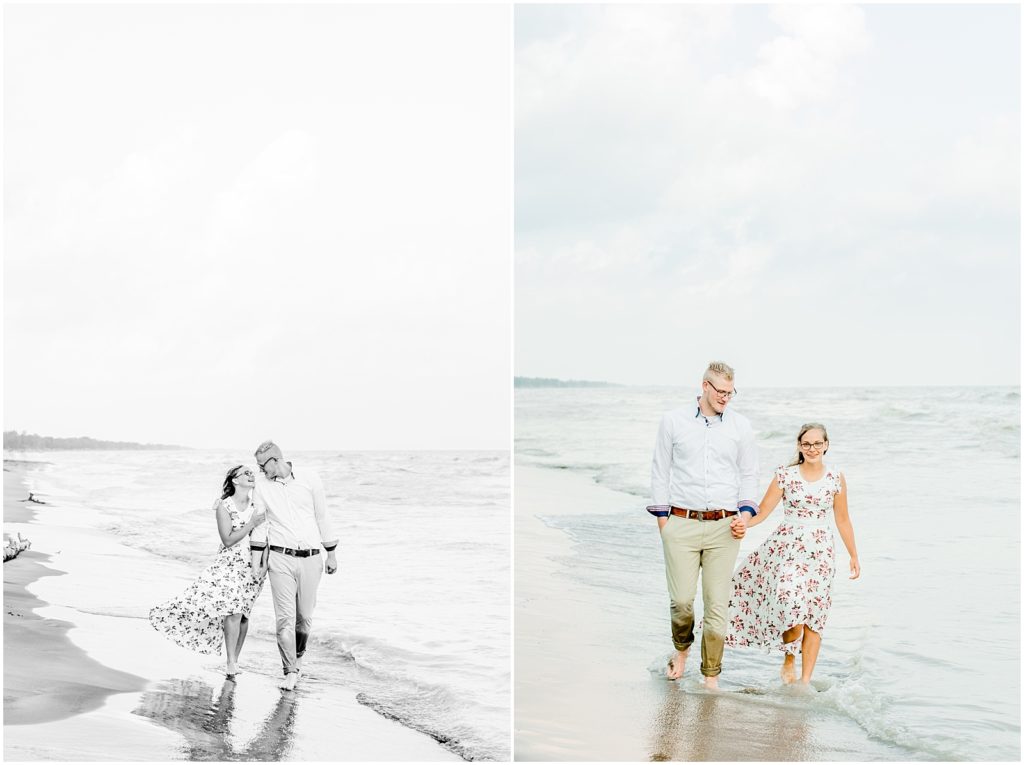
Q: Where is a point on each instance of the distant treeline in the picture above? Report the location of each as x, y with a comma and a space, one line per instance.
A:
30, 441
551, 382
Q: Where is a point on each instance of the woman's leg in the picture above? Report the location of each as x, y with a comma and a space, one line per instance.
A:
809, 648
231, 626
243, 630
788, 671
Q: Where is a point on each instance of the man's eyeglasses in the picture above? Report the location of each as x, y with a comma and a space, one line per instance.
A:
817, 445
727, 394
263, 467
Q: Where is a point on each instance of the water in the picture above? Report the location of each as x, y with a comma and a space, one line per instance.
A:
417, 618
923, 651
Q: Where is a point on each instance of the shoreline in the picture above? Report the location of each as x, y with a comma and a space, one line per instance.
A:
73, 682
83, 669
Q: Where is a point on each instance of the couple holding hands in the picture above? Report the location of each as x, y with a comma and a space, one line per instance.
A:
703, 479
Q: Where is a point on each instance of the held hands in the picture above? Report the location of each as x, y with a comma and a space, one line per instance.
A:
738, 526
854, 568
258, 517
331, 564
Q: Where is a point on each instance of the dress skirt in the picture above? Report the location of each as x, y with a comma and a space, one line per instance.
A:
194, 619
785, 582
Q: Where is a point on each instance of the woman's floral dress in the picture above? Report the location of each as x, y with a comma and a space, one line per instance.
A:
194, 619
788, 579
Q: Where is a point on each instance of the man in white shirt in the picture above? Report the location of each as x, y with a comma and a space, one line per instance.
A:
297, 525
703, 480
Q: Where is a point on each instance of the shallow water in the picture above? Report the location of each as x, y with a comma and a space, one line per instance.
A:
923, 651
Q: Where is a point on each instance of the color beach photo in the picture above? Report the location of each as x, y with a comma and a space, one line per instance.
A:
233, 223
827, 199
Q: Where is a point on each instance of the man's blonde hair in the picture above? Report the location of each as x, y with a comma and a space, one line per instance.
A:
719, 368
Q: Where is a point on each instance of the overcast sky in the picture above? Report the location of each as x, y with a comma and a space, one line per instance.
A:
237, 222
817, 195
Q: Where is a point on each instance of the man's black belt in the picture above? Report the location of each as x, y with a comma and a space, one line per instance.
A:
295, 553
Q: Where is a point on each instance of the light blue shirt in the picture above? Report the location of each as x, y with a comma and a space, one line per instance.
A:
703, 463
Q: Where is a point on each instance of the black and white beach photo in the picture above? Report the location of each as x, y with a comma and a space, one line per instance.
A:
232, 224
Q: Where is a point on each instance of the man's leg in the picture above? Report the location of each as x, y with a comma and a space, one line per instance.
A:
680, 540
717, 563
284, 582
308, 581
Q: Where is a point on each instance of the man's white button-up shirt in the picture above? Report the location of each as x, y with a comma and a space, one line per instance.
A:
703, 463
296, 512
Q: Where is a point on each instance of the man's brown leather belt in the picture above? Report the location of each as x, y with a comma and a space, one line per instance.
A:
295, 553
703, 515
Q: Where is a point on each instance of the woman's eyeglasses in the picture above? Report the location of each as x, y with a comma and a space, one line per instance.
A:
818, 445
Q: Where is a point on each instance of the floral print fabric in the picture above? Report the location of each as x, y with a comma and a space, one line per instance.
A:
788, 579
194, 619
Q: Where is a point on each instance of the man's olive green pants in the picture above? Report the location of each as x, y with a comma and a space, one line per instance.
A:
692, 547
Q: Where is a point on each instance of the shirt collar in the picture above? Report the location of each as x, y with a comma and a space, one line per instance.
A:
699, 413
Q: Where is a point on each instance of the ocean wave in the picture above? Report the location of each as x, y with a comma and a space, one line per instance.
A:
858, 699
390, 685
410, 713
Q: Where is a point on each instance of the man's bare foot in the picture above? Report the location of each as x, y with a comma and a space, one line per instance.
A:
289, 681
677, 664
788, 671
711, 683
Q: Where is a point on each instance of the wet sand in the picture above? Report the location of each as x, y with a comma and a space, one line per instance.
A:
88, 686
60, 679
584, 686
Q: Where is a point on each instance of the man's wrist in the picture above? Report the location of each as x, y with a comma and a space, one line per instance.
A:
747, 507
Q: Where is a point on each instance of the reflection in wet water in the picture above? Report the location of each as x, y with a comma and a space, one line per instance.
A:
189, 707
697, 726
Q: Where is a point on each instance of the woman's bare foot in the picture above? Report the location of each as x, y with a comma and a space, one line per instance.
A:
677, 664
288, 683
231, 670
711, 683
788, 671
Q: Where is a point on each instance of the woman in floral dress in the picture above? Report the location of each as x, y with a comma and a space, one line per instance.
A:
783, 591
214, 610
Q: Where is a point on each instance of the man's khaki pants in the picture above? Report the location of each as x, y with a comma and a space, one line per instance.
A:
692, 546
293, 583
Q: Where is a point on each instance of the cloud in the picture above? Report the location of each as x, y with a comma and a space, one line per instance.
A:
803, 63
673, 165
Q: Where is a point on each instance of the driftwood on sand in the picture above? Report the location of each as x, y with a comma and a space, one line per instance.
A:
14, 547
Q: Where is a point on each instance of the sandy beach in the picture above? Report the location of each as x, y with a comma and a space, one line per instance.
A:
589, 688
83, 684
